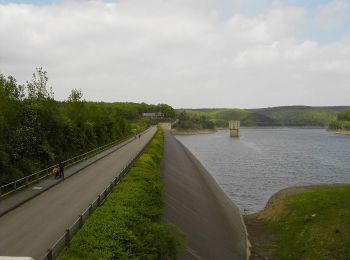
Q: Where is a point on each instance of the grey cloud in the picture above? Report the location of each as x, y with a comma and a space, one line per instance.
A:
178, 52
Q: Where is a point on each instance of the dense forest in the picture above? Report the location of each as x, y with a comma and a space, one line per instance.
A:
192, 121
274, 116
36, 130
342, 122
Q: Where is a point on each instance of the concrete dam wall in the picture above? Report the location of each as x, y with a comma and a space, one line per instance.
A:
213, 224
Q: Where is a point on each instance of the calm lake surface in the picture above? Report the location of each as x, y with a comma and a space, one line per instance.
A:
262, 161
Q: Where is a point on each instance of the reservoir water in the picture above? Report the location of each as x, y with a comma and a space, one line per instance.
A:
262, 161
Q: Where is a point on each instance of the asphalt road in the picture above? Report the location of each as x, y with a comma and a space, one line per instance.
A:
32, 228
195, 203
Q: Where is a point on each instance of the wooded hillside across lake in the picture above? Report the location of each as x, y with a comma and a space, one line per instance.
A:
304, 116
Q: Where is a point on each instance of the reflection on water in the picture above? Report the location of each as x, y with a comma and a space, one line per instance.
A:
264, 160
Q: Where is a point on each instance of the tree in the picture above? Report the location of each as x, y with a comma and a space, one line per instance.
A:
9, 88
344, 115
75, 96
37, 87
167, 110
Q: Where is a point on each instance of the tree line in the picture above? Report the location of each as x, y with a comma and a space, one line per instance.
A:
37, 131
271, 116
192, 121
342, 122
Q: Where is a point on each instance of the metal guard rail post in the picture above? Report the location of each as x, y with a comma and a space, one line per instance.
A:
21, 183
65, 239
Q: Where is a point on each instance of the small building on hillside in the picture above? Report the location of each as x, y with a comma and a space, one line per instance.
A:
156, 115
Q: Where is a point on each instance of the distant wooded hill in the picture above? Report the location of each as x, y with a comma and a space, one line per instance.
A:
272, 116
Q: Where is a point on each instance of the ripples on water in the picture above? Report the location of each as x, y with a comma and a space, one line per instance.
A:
264, 160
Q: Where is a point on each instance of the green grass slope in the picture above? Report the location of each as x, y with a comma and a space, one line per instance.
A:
314, 224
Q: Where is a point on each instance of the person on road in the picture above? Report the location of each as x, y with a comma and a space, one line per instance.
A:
61, 166
56, 172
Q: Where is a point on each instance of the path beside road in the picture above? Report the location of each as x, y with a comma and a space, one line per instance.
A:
34, 226
197, 205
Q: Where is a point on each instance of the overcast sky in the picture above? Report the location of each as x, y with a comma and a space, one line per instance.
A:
186, 53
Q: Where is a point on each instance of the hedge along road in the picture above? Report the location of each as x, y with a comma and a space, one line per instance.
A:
32, 228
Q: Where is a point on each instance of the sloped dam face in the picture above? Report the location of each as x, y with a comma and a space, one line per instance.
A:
262, 161
194, 202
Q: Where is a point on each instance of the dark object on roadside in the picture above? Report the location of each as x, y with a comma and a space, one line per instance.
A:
61, 166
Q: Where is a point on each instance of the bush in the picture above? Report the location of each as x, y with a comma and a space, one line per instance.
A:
127, 225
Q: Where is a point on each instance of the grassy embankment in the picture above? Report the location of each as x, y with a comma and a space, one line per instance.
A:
310, 223
127, 225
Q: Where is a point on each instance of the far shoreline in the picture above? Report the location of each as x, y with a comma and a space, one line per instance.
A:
339, 131
175, 131
342, 132
192, 131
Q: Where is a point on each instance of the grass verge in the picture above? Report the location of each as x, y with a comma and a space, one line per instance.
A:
314, 223
127, 225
